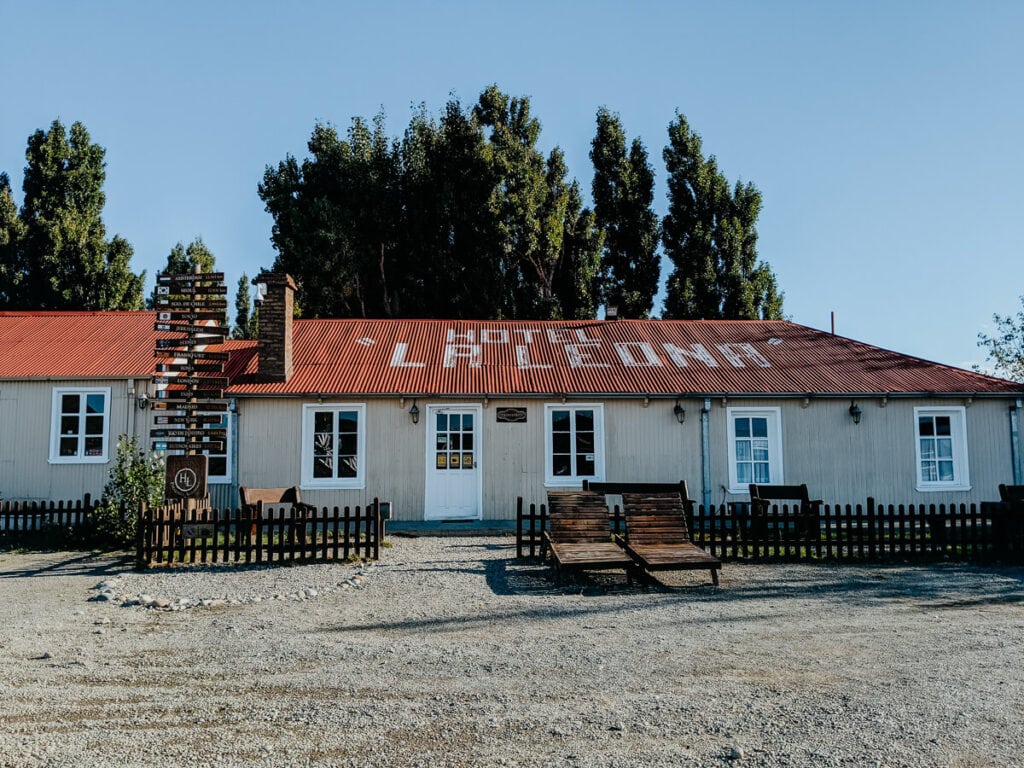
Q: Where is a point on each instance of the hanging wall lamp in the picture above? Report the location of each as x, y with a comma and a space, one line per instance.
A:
414, 413
679, 411
855, 412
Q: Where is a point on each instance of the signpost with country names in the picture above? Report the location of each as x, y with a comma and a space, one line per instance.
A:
189, 402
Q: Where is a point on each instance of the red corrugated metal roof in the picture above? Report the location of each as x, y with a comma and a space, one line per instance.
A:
657, 357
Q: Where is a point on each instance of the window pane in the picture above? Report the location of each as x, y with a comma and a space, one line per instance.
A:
442, 422
467, 461
323, 466
348, 466
561, 442
69, 425
442, 442
467, 422
218, 466
942, 425
584, 465
69, 404
561, 464
928, 472
348, 421
585, 421
927, 449
743, 450
454, 422
323, 421
94, 403
347, 445
69, 446
743, 474
945, 447
759, 427
585, 442
456, 441
946, 471
94, 425
760, 450
560, 421
742, 427
467, 441
925, 426
761, 473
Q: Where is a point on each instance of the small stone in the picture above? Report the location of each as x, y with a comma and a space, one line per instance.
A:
310, 592
161, 602
735, 753
99, 632
45, 655
145, 600
102, 621
615, 727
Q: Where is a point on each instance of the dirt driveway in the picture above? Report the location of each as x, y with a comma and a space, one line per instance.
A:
451, 653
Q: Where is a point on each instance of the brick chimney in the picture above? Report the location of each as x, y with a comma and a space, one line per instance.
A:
275, 343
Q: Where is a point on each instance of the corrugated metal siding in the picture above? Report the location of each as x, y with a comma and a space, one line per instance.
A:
436, 357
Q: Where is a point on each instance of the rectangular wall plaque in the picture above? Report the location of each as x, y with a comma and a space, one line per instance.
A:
511, 415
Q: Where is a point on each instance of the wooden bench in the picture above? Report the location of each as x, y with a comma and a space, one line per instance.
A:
578, 535
254, 500
808, 515
657, 536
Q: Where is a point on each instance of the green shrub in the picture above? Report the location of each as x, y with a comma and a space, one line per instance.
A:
136, 478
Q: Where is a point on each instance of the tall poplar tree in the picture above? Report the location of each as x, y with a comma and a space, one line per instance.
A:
623, 193
710, 235
62, 259
11, 233
246, 321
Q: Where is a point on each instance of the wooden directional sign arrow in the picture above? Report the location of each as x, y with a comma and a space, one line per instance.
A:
189, 316
191, 290
195, 418
190, 277
176, 304
184, 395
190, 368
201, 330
170, 434
177, 405
213, 446
220, 382
186, 354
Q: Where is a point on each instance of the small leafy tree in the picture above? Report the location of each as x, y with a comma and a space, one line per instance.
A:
1006, 346
137, 478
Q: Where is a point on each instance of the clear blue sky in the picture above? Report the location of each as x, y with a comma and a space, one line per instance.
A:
887, 138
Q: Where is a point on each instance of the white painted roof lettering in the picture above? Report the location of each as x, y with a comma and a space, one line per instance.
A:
580, 359
523, 359
735, 353
493, 336
678, 355
625, 351
466, 337
471, 352
398, 358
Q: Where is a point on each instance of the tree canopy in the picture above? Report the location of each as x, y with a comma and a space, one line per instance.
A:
1006, 345
461, 217
54, 254
710, 236
623, 192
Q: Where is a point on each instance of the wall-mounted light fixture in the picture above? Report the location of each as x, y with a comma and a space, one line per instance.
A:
142, 401
414, 412
679, 412
855, 412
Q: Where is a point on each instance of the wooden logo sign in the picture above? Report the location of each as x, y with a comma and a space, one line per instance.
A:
186, 477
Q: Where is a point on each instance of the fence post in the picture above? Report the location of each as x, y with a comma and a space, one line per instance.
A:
519, 527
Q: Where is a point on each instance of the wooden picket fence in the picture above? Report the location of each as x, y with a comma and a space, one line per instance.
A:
840, 532
44, 521
175, 535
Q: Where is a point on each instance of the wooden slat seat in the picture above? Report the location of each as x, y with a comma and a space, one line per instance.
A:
809, 514
578, 534
657, 536
254, 500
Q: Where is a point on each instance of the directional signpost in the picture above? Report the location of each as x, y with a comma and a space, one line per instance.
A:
190, 377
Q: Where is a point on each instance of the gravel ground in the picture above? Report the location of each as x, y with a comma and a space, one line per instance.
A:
451, 653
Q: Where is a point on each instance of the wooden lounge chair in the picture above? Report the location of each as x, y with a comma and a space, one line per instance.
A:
657, 536
808, 516
578, 534
255, 499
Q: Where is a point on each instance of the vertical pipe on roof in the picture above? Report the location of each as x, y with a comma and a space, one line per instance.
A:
705, 453
1018, 474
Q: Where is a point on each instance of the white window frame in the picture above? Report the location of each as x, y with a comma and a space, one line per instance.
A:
308, 414
573, 481
958, 432
55, 414
775, 463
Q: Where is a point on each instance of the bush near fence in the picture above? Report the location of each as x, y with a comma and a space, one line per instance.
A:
864, 532
175, 535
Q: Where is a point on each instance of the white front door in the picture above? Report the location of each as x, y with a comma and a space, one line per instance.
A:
454, 487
